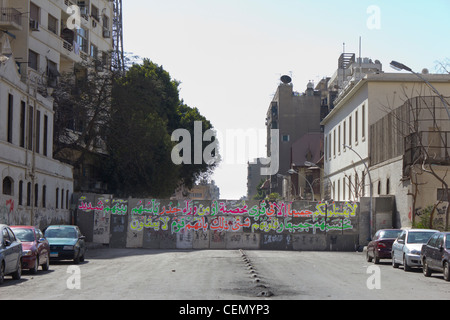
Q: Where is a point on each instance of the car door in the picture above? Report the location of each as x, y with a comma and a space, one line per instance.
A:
437, 256
16, 249
42, 244
10, 253
397, 247
429, 250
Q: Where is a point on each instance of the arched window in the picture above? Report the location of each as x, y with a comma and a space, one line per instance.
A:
8, 186
388, 186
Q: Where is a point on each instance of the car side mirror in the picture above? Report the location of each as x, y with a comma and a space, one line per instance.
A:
82, 237
401, 241
42, 240
6, 243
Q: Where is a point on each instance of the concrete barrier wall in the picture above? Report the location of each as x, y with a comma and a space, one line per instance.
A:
221, 224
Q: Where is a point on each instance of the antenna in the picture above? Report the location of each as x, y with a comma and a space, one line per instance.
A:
117, 36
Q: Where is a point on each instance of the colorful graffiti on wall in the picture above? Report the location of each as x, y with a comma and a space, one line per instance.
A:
178, 217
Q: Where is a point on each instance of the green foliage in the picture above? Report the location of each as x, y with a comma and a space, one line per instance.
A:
145, 110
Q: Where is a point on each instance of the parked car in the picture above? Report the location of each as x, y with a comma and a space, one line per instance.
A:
35, 248
66, 243
10, 254
407, 247
436, 255
381, 245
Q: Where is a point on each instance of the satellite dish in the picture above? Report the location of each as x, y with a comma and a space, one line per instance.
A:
286, 79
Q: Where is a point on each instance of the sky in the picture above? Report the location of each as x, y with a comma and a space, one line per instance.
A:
229, 55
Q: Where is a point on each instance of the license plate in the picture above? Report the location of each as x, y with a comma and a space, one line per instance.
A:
53, 255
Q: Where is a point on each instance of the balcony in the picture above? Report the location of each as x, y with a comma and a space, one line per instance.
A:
10, 19
430, 147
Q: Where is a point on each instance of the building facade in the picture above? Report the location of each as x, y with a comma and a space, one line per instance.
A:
352, 140
294, 114
39, 40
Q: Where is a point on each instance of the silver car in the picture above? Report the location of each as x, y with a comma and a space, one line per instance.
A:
408, 246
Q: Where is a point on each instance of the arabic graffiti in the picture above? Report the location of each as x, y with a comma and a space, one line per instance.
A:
227, 216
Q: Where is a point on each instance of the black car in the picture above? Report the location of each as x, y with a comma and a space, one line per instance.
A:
66, 243
435, 255
10, 254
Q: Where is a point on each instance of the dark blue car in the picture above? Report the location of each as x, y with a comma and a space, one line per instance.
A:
10, 254
66, 243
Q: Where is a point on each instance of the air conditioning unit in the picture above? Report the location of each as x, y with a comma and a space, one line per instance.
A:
106, 34
34, 25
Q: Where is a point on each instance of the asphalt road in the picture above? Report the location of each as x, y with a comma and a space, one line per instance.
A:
135, 274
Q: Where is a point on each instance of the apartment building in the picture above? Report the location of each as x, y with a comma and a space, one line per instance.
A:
294, 114
353, 138
39, 40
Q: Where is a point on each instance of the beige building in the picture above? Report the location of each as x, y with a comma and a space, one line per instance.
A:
39, 40
353, 139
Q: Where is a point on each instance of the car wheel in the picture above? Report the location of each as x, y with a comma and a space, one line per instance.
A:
394, 264
35, 267
368, 257
426, 270
18, 274
405, 264
376, 259
46, 265
446, 271
2, 273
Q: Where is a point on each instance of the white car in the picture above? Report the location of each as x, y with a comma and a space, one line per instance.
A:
407, 247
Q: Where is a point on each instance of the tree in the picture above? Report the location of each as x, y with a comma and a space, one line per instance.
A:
145, 110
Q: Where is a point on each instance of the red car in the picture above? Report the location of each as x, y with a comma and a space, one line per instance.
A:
381, 245
35, 248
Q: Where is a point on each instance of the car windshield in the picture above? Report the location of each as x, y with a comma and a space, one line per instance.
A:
419, 237
24, 235
390, 234
61, 233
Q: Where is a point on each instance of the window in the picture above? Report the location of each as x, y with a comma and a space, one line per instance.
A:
8, 186
33, 60
356, 126
350, 131
286, 138
388, 186
45, 151
44, 196
326, 148
29, 194
20, 193
363, 122
35, 12
30, 127
95, 13
52, 24
23, 111
334, 143
10, 117
345, 133
62, 199
67, 199
339, 139
38, 132
57, 198
82, 39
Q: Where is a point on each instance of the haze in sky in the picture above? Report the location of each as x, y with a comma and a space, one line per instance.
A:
229, 55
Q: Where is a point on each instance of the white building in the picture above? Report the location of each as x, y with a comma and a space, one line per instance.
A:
361, 104
38, 41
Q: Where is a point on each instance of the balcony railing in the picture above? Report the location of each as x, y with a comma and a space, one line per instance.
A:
10, 17
430, 147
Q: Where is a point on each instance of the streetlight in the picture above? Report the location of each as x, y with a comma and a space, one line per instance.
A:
371, 189
314, 165
400, 66
292, 171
